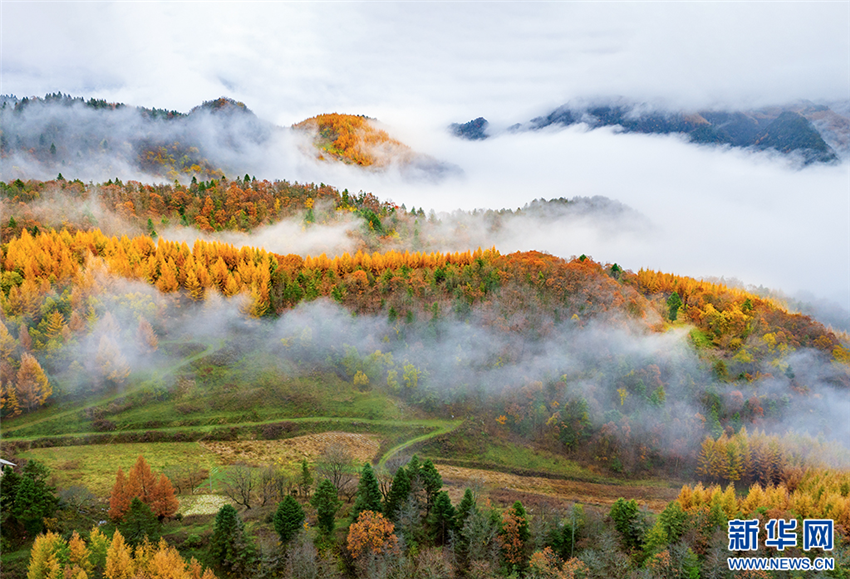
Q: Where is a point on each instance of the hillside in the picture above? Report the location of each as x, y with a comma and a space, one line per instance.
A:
96, 140
537, 380
359, 140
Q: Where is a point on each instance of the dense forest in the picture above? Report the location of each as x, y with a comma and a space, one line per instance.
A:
112, 334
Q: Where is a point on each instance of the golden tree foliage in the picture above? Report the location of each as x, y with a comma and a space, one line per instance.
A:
111, 362
352, 139
33, 387
79, 554
729, 314
819, 494
44, 562
371, 533
7, 343
146, 337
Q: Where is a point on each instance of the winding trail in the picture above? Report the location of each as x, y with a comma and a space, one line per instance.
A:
447, 426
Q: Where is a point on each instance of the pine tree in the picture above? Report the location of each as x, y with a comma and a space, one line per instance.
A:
288, 519
196, 290
515, 535
398, 494
43, 556
139, 523
432, 482
7, 343
327, 503
9, 400
111, 362
141, 480
443, 518
368, 493
466, 507
79, 554
34, 498
230, 547
306, 480
674, 520
98, 547
55, 323
24, 338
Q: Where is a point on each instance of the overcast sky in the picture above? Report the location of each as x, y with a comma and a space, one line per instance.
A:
419, 66
288, 61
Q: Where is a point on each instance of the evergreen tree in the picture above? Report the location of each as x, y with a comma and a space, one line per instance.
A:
34, 499
288, 519
443, 518
674, 521
674, 302
432, 482
306, 478
326, 503
230, 547
368, 493
398, 494
9, 483
628, 521
139, 522
466, 507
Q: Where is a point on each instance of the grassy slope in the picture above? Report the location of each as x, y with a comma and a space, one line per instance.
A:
266, 395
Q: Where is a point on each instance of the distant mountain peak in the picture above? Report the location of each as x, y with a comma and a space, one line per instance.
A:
812, 131
224, 105
474, 130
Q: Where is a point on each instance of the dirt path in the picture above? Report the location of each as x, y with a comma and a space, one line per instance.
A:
444, 429
654, 498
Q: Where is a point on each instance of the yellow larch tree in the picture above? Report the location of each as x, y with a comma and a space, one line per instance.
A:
33, 387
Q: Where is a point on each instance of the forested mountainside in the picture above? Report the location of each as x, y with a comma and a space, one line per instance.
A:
527, 303
60, 133
126, 319
814, 132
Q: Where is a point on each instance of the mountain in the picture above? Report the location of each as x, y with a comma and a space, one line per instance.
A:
360, 140
474, 130
815, 133
96, 140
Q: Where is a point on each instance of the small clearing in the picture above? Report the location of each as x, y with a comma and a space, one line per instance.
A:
362, 447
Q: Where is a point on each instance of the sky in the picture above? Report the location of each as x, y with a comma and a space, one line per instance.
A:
419, 66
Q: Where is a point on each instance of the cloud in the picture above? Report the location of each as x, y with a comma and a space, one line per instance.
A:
418, 67
699, 211
291, 61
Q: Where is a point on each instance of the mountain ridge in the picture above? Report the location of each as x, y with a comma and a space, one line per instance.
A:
815, 133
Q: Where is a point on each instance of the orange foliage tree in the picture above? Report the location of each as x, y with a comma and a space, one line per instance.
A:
371, 534
142, 483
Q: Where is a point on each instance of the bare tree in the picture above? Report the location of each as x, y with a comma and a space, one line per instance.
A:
385, 483
187, 476
274, 485
78, 498
239, 482
337, 465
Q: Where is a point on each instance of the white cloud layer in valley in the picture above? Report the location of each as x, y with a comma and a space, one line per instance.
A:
418, 67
